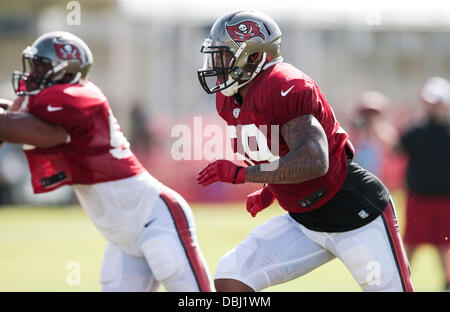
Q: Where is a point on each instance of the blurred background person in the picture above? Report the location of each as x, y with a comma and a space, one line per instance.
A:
141, 132
427, 147
369, 149
140, 135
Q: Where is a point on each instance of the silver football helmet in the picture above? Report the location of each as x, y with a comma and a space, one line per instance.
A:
240, 45
55, 57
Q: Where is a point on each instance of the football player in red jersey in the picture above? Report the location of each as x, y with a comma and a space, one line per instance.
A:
71, 137
284, 129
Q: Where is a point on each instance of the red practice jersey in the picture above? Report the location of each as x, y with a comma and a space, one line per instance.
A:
279, 94
97, 150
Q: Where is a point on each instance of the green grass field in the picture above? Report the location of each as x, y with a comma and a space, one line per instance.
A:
37, 245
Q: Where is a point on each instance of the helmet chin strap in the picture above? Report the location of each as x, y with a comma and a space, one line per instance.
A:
233, 89
76, 78
57, 69
60, 68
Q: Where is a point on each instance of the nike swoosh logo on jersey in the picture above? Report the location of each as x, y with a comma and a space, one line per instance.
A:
53, 109
284, 93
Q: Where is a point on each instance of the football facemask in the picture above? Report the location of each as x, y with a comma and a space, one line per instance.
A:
218, 72
34, 75
227, 78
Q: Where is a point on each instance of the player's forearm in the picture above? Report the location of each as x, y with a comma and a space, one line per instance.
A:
27, 129
295, 167
307, 158
11, 129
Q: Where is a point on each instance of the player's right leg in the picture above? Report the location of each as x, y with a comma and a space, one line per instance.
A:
273, 253
122, 272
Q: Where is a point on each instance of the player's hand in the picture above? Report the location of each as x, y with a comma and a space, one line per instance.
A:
5, 104
259, 200
221, 171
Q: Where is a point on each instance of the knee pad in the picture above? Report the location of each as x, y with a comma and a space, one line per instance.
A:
111, 271
163, 255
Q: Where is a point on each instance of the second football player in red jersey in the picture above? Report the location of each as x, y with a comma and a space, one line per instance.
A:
71, 137
284, 129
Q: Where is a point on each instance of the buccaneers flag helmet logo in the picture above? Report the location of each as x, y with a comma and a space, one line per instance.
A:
244, 31
67, 51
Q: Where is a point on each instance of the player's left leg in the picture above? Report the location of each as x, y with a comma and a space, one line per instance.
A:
170, 246
122, 272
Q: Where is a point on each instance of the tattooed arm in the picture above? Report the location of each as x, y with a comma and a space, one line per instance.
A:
307, 158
